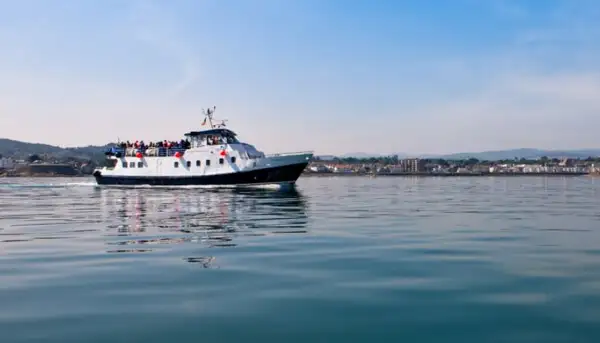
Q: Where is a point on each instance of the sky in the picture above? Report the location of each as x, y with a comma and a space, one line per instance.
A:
331, 76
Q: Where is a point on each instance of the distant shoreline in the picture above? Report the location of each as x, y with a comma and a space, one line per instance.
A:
313, 174
43, 176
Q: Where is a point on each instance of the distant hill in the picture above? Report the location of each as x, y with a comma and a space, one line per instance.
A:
368, 155
527, 153
325, 157
22, 150
359, 155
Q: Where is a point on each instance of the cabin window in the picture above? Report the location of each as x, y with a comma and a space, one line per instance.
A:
124, 164
221, 161
207, 163
232, 159
189, 164
176, 164
131, 164
140, 164
198, 163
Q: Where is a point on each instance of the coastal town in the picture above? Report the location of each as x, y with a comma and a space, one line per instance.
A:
36, 165
441, 167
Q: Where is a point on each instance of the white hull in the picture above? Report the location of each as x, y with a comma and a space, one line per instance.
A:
209, 157
203, 166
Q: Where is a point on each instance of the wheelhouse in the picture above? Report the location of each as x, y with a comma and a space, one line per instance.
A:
211, 137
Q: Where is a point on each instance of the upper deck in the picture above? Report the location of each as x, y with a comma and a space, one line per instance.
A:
220, 132
199, 139
216, 135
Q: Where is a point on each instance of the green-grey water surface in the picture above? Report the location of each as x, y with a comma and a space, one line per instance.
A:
342, 259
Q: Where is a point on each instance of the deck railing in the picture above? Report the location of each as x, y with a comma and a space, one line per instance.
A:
153, 152
289, 153
167, 152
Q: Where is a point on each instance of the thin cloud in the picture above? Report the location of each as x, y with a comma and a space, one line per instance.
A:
153, 25
537, 88
542, 111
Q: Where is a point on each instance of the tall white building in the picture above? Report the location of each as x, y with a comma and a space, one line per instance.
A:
6, 163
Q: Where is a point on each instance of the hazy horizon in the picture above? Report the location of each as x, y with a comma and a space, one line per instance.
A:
336, 77
361, 154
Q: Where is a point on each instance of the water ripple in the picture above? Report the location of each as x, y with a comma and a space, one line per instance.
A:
341, 259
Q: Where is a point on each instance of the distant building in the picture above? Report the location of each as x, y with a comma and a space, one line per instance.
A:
567, 162
343, 169
319, 168
411, 165
6, 163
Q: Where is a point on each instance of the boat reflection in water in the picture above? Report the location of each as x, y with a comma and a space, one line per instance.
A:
215, 218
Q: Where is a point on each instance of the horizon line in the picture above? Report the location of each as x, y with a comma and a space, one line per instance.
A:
356, 154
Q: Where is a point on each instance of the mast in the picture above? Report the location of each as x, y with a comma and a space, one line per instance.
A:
208, 113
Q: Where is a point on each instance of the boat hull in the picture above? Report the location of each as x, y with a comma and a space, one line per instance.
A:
275, 175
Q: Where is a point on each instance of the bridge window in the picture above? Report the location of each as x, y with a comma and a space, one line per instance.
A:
189, 164
232, 159
207, 163
221, 161
140, 164
131, 164
198, 163
124, 164
176, 164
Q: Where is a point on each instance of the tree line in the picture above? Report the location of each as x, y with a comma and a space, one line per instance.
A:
449, 162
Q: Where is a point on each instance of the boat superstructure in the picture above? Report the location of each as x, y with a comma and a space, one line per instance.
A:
208, 157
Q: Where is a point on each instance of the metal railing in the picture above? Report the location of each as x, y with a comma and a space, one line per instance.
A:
290, 154
152, 152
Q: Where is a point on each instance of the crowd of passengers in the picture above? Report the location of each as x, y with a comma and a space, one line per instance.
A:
140, 145
165, 147
182, 144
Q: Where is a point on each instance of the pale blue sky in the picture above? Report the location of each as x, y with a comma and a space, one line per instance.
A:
330, 76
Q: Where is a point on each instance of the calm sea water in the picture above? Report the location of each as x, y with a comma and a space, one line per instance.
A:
344, 259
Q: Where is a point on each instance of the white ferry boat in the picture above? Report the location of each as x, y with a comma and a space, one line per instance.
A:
210, 157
